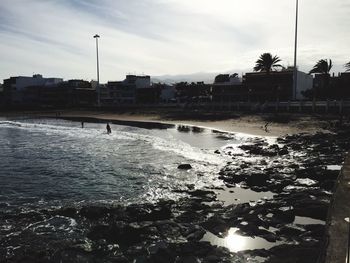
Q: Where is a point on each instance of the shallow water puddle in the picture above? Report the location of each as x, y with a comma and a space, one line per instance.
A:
300, 220
235, 242
237, 195
334, 167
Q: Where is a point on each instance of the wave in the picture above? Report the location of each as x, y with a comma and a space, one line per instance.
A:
170, 143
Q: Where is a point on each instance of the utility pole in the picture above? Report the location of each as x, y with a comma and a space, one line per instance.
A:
98, 73
295, 73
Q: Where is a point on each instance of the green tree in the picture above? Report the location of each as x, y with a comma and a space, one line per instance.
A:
322, 66
267, 63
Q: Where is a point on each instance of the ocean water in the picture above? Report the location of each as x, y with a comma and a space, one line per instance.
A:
50, 162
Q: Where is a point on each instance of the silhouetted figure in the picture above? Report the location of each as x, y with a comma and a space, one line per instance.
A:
266, 130
108, 129
82, 124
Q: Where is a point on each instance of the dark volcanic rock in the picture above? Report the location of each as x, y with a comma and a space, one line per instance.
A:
312, 208
94, 212
185, 166
169, 231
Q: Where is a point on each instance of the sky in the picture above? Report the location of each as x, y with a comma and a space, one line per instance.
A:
161, 37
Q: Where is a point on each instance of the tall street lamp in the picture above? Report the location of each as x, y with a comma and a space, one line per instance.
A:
295, 74
98, 73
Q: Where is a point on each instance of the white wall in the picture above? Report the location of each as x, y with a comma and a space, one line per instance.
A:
22, 82
304, 82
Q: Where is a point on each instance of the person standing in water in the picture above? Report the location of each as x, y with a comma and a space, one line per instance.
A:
82, 124
108, 128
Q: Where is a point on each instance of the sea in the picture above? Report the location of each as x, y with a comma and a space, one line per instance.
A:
54, 162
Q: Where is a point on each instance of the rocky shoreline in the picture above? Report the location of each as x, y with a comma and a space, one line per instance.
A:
300, 170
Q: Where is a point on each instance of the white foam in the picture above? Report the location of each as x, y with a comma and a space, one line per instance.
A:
164, 144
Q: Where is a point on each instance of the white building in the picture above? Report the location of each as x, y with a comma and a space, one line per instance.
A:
14, 86
304, 82
21, 82
139, 82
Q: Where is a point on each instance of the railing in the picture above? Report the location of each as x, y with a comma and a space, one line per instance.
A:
283, 106
334, 106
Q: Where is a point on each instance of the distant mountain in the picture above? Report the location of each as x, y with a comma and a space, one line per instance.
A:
206, 77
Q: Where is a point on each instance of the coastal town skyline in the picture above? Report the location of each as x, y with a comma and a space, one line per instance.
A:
157, 37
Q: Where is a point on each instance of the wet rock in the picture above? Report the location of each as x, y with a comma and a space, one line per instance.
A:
283, 151
316, 231
68, 212
328, 185
121, 233
215, 225
94, 212
153, 249
311, 208
304, 253
163, 255
284, 215
184, 166
148, 212
188, 259
289, 231
269, 237
257, 179
194, 233
203, 194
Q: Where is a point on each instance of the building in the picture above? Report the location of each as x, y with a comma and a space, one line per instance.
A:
343, 90
227, 88
71, 93
15, 87
49, 92
80, 93
276, 85
125, 92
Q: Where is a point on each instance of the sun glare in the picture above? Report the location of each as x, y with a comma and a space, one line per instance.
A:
235, 242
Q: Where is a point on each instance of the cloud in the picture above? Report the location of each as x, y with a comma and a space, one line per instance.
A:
157, 37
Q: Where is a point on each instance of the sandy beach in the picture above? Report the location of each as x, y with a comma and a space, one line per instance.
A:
253, 124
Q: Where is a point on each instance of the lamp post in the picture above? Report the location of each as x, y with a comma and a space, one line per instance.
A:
295, 73
98, 73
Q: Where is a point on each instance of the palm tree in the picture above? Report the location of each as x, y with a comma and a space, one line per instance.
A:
322, 66
347, 66
267, 63
322, 88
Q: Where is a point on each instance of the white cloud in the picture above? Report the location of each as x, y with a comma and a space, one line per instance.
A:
54, 37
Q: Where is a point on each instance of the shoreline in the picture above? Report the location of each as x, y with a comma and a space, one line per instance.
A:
247, 124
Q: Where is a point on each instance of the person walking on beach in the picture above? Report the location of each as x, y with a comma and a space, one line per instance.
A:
82, 124
266, 130
109, 131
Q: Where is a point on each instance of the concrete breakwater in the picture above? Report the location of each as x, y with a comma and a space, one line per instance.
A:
338, 231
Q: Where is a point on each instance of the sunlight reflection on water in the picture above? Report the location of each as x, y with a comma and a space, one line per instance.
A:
235, 242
